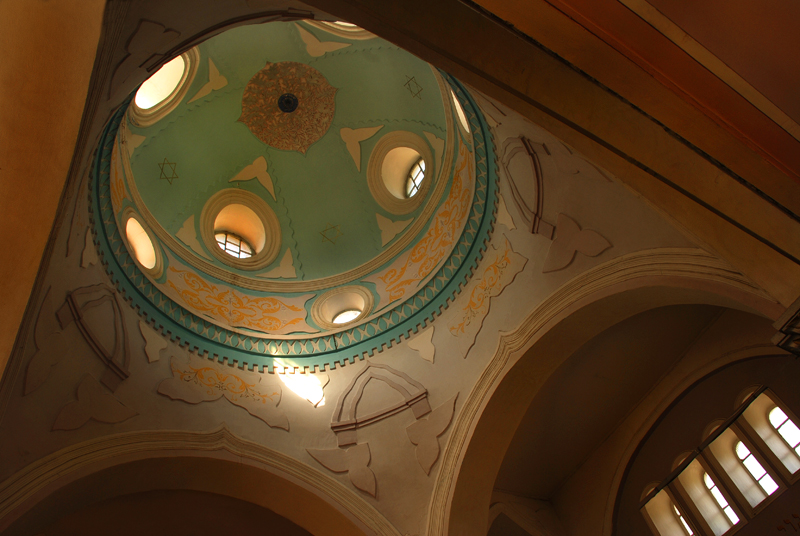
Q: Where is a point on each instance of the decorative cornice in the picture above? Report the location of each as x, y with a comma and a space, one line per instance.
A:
660, 263
24, 484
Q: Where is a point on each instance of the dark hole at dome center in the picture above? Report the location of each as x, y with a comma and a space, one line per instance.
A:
287, 103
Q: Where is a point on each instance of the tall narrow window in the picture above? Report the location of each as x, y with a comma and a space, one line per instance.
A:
786, 428
720, 499
755, 469
685, 525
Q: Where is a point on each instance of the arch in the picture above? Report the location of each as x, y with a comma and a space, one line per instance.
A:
345, 419
216, 462
581, 309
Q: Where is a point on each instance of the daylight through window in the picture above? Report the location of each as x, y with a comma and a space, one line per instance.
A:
720, 499
755, 468
415, 177
234, 245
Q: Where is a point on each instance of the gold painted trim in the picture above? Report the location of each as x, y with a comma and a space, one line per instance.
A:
260, 285
101, 452
377, 184
356, 33
145, 118
666, 262
707, 59
272, 228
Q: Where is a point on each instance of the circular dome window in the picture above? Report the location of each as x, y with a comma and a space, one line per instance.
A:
415, 177
161, 85
240, 229
399, 170
342, 306
164, 90
140, 244
233, 244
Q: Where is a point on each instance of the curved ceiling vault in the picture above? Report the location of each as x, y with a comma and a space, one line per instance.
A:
269, 185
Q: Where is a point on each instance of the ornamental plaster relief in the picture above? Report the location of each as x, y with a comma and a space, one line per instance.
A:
93, 402
195, 380
257, 170
215, 81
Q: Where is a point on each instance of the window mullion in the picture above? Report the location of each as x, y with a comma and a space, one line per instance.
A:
688, 509
762, 452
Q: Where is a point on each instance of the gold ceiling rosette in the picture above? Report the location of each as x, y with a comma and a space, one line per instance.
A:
294, 130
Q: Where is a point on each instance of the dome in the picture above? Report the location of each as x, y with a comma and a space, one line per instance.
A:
305, 192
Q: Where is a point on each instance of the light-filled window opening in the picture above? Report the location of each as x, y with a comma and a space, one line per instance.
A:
161, 85
755, 469
346, 316
234, 245
720, 499
462, 118
344, 24
415, 177
140, 241
785, 427
685, 525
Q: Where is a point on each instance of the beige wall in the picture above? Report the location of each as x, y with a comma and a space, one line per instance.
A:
48, 55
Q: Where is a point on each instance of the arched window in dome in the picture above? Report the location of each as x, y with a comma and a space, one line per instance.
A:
785, 427
234, 245
415, 177
720, 499
756, 470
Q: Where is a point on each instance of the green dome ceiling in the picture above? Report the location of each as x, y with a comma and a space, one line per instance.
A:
224, 139
210, 143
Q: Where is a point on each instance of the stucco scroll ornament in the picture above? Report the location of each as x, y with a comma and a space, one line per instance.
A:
93, 403
353, 461
424, 433
346, 419
79, 303
530, 207
571, 239
148, 37
76, 307
42, 360
196, 380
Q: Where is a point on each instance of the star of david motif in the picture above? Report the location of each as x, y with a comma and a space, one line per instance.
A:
168, 172
331, 233
413, 87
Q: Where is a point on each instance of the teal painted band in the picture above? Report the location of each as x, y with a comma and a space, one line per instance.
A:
324, 351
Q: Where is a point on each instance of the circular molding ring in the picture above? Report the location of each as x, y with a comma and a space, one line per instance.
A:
375, 180
145, 118
158, 268
272, 228
339, 299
